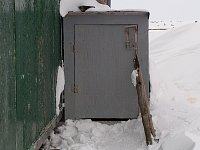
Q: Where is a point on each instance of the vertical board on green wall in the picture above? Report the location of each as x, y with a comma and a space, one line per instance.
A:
37, 58
7, 76
30, 44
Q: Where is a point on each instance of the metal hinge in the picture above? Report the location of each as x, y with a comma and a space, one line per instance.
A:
75, 89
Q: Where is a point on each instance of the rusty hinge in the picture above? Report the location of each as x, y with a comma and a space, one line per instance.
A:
75, 88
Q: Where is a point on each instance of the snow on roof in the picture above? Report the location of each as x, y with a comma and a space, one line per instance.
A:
72, 5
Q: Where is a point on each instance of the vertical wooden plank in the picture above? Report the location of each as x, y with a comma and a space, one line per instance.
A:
38, 55
29, 57
26, 65
19, 135
56, 51
7, 76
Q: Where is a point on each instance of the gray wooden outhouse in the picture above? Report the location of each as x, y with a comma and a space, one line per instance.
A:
98, 60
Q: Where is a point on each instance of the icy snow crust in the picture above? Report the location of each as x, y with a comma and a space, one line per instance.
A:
59, 87
72, 5
175, 101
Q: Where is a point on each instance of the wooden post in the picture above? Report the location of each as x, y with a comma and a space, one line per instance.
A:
143, 103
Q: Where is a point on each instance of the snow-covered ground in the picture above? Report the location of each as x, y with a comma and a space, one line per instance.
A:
175, 96
175, 101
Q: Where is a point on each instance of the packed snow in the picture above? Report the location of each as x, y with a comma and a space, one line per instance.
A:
72, 5
175, 101
88, 135
59, 87
134, 74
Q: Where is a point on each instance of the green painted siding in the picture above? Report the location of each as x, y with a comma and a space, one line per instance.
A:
7, 76
29, 57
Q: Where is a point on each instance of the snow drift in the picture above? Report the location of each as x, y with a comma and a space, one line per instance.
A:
174, 71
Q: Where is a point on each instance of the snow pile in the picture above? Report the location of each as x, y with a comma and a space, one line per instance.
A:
175, 101
59, 87
88, 135
72, 5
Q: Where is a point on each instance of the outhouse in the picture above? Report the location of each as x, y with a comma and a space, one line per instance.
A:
98, 60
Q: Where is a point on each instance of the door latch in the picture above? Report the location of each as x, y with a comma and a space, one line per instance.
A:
131, 36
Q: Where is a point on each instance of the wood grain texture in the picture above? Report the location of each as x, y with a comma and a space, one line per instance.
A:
29, 57
37, 58
7, 76
143, 102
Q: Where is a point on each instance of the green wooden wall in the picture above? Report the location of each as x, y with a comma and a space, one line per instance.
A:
7, 76
29, 56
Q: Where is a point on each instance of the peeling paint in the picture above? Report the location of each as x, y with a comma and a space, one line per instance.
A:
29, 57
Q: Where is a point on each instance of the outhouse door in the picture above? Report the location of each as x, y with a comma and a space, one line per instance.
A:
103, 61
